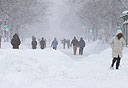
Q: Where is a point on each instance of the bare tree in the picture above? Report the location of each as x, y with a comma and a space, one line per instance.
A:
102, 16
22, 12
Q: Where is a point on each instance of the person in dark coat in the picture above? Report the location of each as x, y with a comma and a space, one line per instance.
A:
68, 43
81, 45
34, 43
54, 44
75, 45
64, 43
42, 44
15, 41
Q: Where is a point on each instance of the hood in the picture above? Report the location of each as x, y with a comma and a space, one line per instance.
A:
15, 36
119, 31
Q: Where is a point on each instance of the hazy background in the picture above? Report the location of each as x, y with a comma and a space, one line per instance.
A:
62, 18
60, 22
68, 18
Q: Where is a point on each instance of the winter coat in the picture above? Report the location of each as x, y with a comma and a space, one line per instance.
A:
74, 42
81, 43
34, 44
54, 43
15, 41
117, 45
42, 44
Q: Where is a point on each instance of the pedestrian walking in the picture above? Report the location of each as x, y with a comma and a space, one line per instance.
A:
15, 41
75, 45
34, 43
42, 44
81, 45
117, 45
54, 44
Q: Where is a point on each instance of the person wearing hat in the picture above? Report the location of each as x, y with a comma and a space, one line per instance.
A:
117, 44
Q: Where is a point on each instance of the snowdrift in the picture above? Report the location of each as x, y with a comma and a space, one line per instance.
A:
27, 68
96, 73
95, 47
23, 68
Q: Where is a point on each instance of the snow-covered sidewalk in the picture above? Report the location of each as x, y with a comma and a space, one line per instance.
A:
27, 68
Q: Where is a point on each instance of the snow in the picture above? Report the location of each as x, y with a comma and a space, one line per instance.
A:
125, 22
27, 68
125, 12
20, 68
96, 47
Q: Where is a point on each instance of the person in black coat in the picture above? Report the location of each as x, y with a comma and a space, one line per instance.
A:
81, 45
34, 43
64, 43
42, 44
15, 41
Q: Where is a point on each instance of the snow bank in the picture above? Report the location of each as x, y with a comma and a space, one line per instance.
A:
24, 68
95, 71
27, 68
125, 12
125, 22
95, 47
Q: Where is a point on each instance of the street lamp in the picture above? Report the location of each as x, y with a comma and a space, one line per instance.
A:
125, 25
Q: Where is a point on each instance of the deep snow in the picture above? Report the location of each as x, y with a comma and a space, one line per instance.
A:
27, 68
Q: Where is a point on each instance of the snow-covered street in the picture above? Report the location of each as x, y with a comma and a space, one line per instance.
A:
27, 68
63, 43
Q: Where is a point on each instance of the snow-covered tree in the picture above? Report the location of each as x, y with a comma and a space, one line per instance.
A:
102, 16
19, 13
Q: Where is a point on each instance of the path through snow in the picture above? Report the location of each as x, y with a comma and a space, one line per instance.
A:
27, 68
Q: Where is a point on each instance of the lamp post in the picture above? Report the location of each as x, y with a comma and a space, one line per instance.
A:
0, 26
0, 23
125, 25
5, 31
